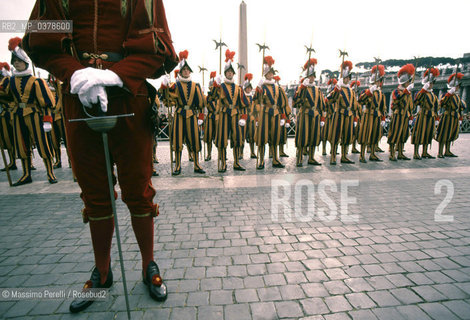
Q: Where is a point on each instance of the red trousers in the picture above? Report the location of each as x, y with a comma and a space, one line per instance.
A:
130, 146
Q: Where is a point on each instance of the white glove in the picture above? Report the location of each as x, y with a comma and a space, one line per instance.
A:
460, 122
452, 90
373, 88
322, 123
218, 79
283, 122
410, 122
256, 123
355, 124
47, 126
5, 72
382, 123
94, 95
339, 84
306, 82
260, 83
166, 81
200, 122
410, 87
426, 86
436, 122
287, 125
241, 122
82, 80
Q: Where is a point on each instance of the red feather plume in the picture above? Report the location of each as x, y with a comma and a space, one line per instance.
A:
277, 78
13, 43
347, 63
4, 65
229, 55
310, 62
354, 82
407, 68
176, 72
269, 60
249, 76
333, 80
213, 74
459, 76
183, 54
381, 70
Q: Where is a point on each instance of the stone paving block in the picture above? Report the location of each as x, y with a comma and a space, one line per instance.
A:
406, 296
269, 294
360, 300
237, 311
412, 312
263, 311
383, 298
460, 308
428, 293
286, 309
337, 304
362, 315
314, 306
437, 311
246, 295
388, 314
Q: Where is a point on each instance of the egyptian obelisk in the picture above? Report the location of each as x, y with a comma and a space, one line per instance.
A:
242, 43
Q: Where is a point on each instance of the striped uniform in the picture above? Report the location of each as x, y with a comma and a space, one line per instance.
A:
448, 128
286, 110
370, 129
58, 125
33, 101
189, 101
210, 120
232, 103
311, 103
346, 108
423, 130
328, 111
402, 105
251, 121
269, 121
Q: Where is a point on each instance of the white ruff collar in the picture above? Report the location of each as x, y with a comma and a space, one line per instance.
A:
26, 72
182, 79
266, 81
229, 81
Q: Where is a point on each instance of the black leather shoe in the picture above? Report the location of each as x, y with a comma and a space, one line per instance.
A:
94, 282
403, 157
428, 156
253, 156
57, 165
155, 174
450, 155
284, 155
278, 165
176, 172
22, 181
157, 288
392, 159
314, 163
239, 168
208, 158
52, 180
376, 159
332, 163
199, 170
12, 167
346, 161
33, 168
417, 157
362, 161
299, 164
260, 167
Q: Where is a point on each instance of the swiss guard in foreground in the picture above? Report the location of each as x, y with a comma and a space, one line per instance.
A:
344, 116
309, 117
103, 64
232, 117
449, 126
402, 106
189, 103
327, 114
424, 128
285, 111
373, 116
6, 129
269, 104
33, 105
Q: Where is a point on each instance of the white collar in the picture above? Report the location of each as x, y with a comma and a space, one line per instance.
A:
23, 73
182, 79
229, 81
272, 81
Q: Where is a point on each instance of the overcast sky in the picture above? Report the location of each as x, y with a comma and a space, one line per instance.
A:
365, 28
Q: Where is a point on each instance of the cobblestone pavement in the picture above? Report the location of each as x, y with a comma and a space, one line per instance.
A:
230, 248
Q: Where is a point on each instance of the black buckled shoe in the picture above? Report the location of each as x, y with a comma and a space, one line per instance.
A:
52, 180
253, 156
155, 173
278, 165
157, 288
12, 167
199, 170
314, 163
260, 167
22, 181
346, 160
94, 282
57, 165
239, 168
176, 172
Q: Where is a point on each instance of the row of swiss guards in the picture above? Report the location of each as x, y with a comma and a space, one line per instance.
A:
28, 114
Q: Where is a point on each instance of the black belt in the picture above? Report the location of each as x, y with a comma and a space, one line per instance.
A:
105, 56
